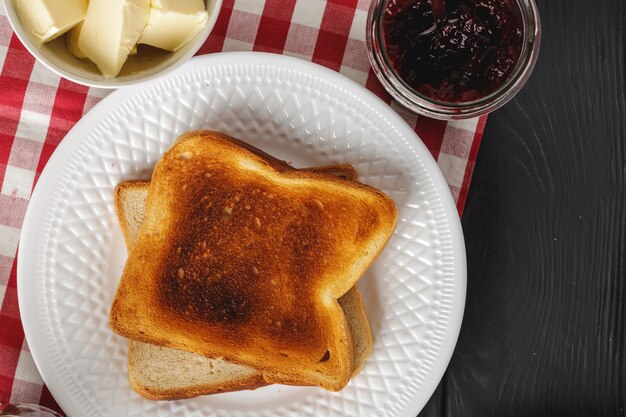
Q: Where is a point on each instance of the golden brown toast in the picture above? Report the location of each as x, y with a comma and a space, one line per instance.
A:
243, 257
161, 373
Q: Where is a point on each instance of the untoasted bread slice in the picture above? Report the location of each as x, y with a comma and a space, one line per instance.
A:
160, 373
243, 258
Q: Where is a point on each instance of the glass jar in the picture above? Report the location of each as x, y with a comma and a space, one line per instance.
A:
26, 410
423, 105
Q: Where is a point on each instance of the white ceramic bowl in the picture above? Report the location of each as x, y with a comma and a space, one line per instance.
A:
139, 68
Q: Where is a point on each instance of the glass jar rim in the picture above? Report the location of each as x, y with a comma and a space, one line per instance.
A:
421, 104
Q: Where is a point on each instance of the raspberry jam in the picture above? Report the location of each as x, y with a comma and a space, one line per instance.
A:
467, 56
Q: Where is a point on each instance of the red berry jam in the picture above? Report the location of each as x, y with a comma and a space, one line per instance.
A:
466, 57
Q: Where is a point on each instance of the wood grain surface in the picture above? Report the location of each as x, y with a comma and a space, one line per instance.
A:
544, 332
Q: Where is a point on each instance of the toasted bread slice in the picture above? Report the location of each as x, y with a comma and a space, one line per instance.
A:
245, 258
160, 373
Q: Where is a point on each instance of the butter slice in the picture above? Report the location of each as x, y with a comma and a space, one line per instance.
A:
111, 30
72, 43
48, 19
173, 23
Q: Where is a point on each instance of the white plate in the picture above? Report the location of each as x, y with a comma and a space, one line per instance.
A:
72, 252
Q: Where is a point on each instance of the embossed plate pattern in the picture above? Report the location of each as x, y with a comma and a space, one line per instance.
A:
72, 253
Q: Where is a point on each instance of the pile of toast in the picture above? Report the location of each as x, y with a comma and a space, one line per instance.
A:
242, 270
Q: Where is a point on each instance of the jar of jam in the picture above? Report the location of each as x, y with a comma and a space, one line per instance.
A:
453, 59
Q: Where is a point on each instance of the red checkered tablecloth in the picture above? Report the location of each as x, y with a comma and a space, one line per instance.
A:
37, 108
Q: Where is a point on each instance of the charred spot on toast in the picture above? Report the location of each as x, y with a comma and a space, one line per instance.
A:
209, 295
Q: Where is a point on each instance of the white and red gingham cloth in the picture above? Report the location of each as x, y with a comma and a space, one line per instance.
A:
37, 108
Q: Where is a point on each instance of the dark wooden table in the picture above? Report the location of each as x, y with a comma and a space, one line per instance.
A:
544, 332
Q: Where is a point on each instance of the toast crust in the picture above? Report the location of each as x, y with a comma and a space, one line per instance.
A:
278, 248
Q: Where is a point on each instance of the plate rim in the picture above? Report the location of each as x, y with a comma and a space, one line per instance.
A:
43, 190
